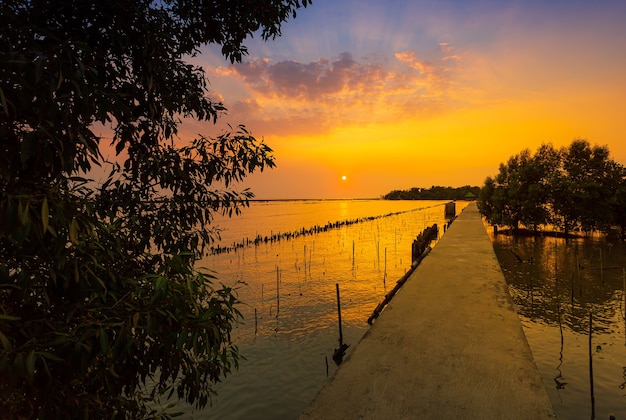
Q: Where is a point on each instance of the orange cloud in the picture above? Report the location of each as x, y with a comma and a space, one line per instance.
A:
313, 98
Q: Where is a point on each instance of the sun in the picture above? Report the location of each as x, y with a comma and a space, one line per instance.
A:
343, 178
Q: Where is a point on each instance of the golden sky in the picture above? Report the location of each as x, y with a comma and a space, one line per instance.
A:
402, 94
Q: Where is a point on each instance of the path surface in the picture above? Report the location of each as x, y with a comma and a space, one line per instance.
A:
448, 346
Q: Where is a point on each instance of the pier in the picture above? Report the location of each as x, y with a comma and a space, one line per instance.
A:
448, 346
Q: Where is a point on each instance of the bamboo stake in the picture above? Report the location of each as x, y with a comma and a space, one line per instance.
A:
353, 254
326, 357
593, 399
601, 268
385, 273
580, 282
277, 291
339, 315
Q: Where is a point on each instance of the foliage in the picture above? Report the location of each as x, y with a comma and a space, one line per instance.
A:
433, 193
102, 308
518, 195
618, 203
576, 187
585, 187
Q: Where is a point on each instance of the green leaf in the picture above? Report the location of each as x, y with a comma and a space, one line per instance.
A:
44, 214
22, 212
6, 344
50, 356
30, 365
74, 231
160, 284
104, 341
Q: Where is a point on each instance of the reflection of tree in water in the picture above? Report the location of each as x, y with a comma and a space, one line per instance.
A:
558, 379
557, 280
576, 288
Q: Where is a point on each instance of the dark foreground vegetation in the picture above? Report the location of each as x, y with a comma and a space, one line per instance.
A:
578, 188
102, 309
434, 193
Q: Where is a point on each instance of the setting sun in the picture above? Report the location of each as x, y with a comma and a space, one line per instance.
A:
343, 178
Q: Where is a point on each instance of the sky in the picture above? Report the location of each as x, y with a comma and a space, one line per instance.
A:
361, 97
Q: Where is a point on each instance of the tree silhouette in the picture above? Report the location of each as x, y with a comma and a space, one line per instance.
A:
102, 307
576, 187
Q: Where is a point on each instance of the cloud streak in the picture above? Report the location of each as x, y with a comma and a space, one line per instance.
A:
342, 90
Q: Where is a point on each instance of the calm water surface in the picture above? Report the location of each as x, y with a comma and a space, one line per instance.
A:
289, 296
561, 288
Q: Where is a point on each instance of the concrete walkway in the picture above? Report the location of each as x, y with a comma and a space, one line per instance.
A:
448, 346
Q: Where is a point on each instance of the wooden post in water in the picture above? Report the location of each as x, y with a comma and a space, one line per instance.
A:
395, 240
255, 323
353, 254
385, 273
593, 398
601, 268
277, 291
341, 351
339, 315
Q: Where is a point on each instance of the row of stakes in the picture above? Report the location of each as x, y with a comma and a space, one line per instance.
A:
420, 247
277, 237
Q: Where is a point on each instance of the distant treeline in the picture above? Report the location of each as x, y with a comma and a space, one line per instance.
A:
434, 193
574, 188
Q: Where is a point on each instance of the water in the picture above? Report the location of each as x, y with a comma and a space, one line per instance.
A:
290, 284
556, 287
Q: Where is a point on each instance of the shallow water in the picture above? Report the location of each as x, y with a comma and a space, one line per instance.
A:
557, 286
291, 287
